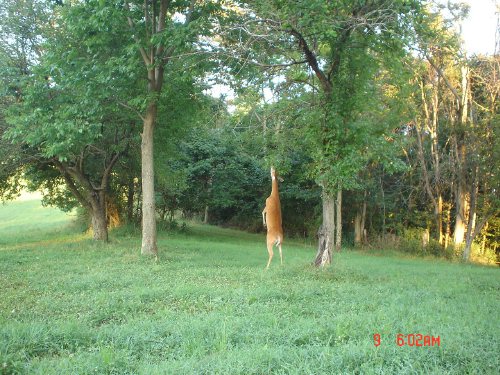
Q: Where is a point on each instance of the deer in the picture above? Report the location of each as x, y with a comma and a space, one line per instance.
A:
271, 217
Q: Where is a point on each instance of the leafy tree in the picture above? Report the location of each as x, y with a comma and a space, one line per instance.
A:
70, 119
165, 32
23, 26
483, 137
336, 49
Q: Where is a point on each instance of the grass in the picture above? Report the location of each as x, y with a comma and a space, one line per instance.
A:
70, 306
28, 223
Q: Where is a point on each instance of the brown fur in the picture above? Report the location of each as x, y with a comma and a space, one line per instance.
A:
272, 212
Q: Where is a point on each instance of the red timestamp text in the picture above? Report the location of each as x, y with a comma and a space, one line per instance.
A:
412, 339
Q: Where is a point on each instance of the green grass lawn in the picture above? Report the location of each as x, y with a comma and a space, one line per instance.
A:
70, 306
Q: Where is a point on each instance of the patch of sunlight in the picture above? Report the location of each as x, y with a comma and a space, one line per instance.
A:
70, 239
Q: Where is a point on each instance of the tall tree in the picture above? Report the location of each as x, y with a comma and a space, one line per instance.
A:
335, 48
164, 31
483, 137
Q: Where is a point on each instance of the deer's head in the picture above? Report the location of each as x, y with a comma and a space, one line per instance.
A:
275, 175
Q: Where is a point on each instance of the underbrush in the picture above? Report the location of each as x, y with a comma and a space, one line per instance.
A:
411, 243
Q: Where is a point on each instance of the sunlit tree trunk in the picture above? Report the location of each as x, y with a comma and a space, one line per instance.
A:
430, 121
364, 237
471, 226
461, 207
447, 235
359, 223
461, 194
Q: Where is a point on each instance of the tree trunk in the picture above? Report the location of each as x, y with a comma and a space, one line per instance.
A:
130, 200
326, 232
426, 234
447, 235
483, 242
383, 205
205, 216
462, 209
469, 238
471, 227
364, 238
149, 243
439, 219
461, 212
338, 239
357, 229
99, 223
359, 224
93, 200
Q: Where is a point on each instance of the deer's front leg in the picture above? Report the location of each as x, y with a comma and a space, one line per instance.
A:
264, 217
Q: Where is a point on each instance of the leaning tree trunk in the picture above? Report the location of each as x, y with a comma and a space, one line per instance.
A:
149, 244
326, 233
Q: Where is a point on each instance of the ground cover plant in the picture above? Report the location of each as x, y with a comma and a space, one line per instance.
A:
69, 305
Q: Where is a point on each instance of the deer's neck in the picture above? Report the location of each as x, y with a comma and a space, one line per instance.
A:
274, 190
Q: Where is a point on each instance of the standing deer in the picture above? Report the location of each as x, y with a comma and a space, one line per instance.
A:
272, 212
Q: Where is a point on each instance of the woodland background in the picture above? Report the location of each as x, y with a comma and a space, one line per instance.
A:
371, 111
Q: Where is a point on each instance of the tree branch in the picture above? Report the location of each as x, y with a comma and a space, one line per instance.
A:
420, 152
71, 185
442, 75
131, 24
312, 61
132, 109
189, 15
334, 67
107, 171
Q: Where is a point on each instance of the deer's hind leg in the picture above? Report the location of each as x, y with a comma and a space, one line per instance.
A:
270, 244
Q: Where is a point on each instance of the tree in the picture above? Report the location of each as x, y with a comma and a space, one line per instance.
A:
68, 119
23, 27
164, 31
483, 137
336, 49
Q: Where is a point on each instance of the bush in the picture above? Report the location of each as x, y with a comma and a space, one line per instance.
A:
174, 226
411, 242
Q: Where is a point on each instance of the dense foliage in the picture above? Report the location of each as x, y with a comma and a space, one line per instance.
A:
369, 106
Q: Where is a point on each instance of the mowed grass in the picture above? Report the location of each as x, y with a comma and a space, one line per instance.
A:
28, 223
70, 306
